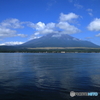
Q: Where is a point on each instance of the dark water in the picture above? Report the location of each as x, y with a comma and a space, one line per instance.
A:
45, 76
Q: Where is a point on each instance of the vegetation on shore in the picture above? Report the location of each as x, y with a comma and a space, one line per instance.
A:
10, 49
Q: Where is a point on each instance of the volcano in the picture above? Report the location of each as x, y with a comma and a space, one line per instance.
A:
58, 40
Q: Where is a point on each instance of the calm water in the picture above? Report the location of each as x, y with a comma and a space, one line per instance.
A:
45, 76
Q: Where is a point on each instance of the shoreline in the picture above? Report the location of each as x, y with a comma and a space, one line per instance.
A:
43, 52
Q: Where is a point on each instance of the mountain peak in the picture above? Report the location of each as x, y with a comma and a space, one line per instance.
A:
58, 40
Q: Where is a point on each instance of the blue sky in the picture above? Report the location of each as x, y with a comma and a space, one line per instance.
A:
23, 20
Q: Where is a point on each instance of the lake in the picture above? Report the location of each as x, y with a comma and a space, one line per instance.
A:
48, 76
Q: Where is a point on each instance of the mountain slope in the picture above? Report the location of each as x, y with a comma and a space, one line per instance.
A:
52, 40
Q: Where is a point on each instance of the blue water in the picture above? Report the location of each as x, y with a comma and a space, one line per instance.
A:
48, 76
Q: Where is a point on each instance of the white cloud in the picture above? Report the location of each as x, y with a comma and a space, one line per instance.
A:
67, 28
29, 24
63, 26
34, 37
98, 35
5, 32
46, 31
68, 17
21, 35
40, 26
7, 26
48, 28
38, 34
94, 25
90, 12
50, 25
11, 23
12, 43
78, 6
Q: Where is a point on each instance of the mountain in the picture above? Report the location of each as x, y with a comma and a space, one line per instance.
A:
53, 40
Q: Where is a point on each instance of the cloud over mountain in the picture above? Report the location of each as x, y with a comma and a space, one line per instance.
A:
8, 27
63, 25
67, 28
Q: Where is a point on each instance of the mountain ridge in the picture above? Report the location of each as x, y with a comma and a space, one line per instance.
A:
58, 40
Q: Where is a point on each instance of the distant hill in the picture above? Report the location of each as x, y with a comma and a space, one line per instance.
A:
53, 40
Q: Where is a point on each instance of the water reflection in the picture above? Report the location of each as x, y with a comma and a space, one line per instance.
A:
39, 74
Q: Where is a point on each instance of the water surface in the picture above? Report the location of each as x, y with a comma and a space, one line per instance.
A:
48, 76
